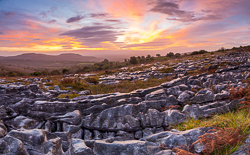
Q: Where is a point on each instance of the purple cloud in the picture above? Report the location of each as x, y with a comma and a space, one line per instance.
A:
43, 14
74, 19
1, 33
52, 21
175, 13
113, 20
6, 13
99, 15
94, 35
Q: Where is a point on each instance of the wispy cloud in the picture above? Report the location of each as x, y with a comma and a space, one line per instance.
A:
74, 19
99, 15
94, 35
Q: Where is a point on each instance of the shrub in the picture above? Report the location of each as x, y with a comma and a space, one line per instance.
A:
219, 138
79, 86
94, 80
198, 52
36, 74
55, 72
133, 60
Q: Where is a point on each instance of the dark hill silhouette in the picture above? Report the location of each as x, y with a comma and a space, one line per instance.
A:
44, 57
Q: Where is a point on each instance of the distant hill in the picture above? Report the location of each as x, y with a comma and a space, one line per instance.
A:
29, 62
44, 57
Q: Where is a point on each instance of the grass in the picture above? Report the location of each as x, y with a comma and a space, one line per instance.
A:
69, 95
126, 86
238, 119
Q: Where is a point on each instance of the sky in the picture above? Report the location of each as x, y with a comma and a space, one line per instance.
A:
113, 28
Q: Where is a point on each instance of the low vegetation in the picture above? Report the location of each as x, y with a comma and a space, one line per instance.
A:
230, 129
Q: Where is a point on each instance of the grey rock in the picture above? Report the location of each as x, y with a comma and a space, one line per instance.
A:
75, 131
25, 123
122, 135
165, 152
148, 131
97, 135
78, 147
32, 139
53, 147
185, 96
156, 95
177, 139
138, 134
3, 129
155, 118
12, 146
132, 147
43, 110
175, 90
204, 95
174, 117
222, 96
73, 118
87, 135
192, 111
175, 82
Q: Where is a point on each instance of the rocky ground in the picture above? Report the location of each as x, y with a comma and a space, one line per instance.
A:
35, 122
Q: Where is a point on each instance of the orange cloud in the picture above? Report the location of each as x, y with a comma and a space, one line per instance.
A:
131, 9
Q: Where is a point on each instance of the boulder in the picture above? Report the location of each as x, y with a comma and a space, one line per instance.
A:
12, 146
32, 139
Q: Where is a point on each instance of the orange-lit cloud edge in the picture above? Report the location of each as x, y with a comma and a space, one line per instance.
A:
149, 31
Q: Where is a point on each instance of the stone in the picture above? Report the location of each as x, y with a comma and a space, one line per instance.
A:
192, 111
25, 123
53, 147
185, 96
148, 131
75, 131
177, 139
131, 147
73, 118
97, 135
123, 135
165, 152
174, 117
87, 135
156, 95
155, 118
78, 147
138, 134
175, 82
204, 95
12, 146
3, 129
175, 90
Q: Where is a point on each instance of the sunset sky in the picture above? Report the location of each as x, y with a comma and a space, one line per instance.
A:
122, 27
